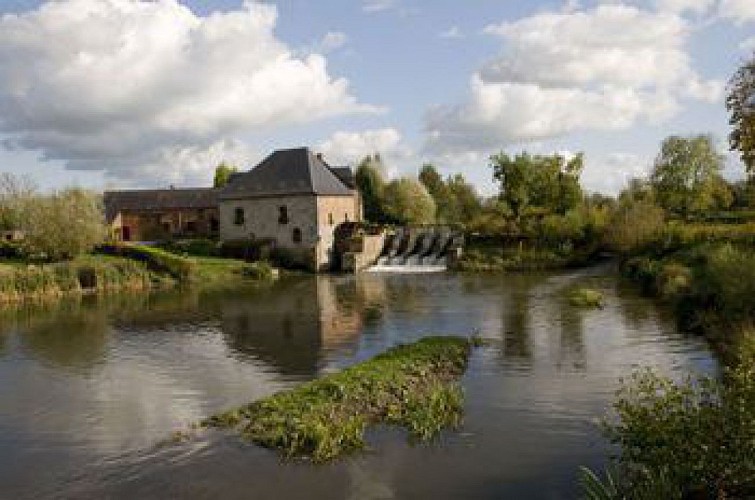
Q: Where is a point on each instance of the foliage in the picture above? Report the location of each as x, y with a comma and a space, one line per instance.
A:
637, 190
456, 200
580, 226
634, 226
14, 193
686, 174
408, 202
550, 182
586, 297
739, 103
370, 180
194, 247
19, 282
181, 268
63, 224
261, 271
481, 255
223, 173
694, 438
594, 488
414, 386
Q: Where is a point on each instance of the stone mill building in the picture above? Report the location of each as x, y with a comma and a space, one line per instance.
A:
292, 200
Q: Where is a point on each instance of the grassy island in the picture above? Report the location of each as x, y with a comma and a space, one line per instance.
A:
414, 386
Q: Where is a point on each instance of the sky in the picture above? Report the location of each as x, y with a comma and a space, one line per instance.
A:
139, 94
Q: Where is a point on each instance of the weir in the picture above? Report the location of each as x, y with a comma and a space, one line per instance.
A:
419, 250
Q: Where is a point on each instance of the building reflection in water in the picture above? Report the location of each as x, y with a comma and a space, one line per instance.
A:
295, 328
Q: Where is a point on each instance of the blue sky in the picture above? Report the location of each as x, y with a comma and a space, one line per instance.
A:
133, 93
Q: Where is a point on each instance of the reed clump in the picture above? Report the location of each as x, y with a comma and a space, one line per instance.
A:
414, 386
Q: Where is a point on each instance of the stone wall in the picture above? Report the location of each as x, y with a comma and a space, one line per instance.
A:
363, 252
154, 225
316, 217
332, 211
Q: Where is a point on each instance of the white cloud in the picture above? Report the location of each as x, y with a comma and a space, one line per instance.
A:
739, 11
612, 173
332, 40
748, 45
372, 6
605, 68
682, 6
452, 33
143, 90
350, 147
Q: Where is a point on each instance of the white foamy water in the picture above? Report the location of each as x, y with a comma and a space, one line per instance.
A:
406, 269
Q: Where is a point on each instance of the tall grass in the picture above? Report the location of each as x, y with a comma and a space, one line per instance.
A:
20, 282
181, 268
413, 386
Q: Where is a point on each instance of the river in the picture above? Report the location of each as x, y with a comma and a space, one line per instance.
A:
88, 388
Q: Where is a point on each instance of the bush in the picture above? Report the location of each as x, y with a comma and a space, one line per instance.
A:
195, 248
726, 281
158, 260
585, 297
259, 271
62, 225
634, 227
694, 438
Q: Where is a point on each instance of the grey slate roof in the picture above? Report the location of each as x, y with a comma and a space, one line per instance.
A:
287, 172
346, 175
159, 199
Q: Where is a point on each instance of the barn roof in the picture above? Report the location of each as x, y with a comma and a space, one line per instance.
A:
159, 199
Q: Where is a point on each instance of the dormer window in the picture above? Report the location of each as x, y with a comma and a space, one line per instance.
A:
283, 215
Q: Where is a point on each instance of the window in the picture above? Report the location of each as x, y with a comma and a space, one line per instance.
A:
191, 226
283, 215
346, 217
238, 216
330, 219
296, 235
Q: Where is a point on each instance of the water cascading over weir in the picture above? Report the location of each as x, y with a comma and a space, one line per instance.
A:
404, 250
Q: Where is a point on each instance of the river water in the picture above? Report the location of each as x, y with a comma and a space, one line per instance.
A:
89, 388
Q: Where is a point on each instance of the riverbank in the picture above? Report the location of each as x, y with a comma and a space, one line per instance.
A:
710, 283
122, 268
413, 386
501, 255
21, 281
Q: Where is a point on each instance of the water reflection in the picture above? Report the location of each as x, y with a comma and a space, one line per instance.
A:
90, 385
292, 328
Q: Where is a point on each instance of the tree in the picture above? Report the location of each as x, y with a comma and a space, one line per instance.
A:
685, 173
14, 191
223, 173
431, 179
64, 224
465, 202
408, 202
740, 102
370, 181
548, 182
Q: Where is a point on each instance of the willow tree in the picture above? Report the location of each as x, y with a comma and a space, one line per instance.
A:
408, 202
